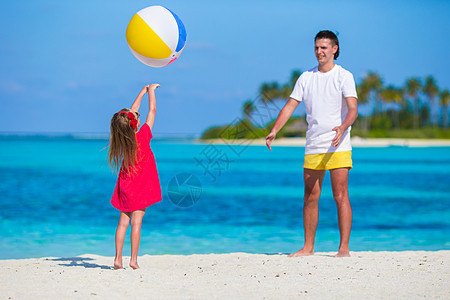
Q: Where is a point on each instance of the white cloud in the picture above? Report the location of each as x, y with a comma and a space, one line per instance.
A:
12, 87
200, 45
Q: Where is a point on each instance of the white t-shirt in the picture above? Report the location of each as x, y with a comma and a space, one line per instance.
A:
326, 108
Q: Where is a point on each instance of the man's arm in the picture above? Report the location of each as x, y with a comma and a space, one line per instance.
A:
352, 114
282, 118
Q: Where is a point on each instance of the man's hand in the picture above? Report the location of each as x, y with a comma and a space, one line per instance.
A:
349, 119
269, 139
338, 137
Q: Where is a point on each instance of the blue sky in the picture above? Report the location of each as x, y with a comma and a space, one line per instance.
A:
66, 66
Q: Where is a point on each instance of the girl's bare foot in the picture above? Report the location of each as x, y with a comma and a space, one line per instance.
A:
301, 252
134, 265
343, 254
118, 264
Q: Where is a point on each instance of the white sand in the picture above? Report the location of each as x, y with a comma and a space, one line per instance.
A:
356, 142
365, 275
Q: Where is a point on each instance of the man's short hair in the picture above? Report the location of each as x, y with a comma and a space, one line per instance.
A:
326, 34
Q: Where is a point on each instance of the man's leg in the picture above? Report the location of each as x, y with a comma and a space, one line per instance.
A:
313, 186
339, 183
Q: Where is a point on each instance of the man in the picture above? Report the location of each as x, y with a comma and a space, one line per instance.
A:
329, 94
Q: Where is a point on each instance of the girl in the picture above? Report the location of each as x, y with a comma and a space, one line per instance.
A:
138, 184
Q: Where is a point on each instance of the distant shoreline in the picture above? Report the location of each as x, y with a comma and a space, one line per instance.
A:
356, 142
284, 142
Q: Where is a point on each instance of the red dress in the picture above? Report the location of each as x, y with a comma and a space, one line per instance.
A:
140, 187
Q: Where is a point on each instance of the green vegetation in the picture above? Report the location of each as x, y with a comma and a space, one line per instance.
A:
419, 109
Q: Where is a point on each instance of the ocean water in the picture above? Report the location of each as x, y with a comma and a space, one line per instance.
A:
55, 193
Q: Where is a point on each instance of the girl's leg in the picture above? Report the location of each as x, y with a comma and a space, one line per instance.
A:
120, 238
136, 222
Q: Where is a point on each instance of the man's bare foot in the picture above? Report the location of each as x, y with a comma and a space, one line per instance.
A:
134, 265
118, 265
301, 252
343, 254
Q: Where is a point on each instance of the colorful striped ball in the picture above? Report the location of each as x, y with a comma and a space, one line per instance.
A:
156, 36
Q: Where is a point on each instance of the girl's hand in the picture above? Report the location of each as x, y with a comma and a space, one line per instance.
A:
153, 86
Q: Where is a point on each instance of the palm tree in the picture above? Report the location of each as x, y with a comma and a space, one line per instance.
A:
372, 86
248, 108
363, 98
443, 100
431, 90
413, 87
363, 93
264, 92
269, 91
273, 91
369, 87
392, 94
294, 77
286, 90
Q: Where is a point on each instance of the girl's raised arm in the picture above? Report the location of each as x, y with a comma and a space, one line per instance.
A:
137, 102
152, 104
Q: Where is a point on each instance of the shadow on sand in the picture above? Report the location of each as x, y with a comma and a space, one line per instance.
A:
79, 262
287, 253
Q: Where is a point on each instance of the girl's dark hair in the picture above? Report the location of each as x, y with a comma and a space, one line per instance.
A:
122, 142
326, 34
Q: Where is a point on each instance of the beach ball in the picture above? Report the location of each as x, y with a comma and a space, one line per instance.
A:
156, 36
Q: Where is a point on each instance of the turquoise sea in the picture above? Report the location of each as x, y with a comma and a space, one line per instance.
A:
55, 193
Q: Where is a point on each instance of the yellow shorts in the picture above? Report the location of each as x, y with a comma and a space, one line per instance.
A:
328, 161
